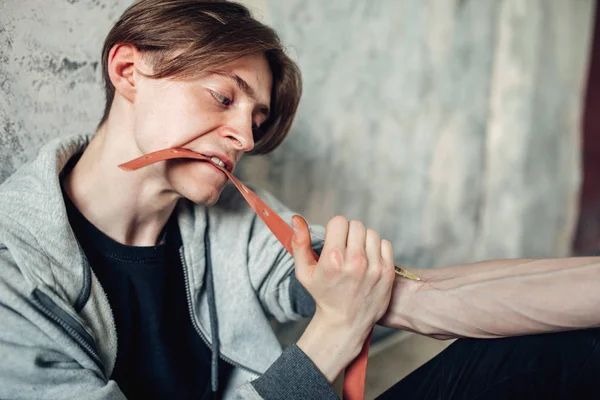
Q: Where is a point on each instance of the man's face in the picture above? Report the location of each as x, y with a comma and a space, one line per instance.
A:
214, 115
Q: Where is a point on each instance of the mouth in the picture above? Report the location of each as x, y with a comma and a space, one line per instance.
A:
220, 161
217, 167
217, 162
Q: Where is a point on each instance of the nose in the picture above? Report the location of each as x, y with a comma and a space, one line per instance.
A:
240, 133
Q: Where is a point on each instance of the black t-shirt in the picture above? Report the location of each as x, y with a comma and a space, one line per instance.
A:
160, 354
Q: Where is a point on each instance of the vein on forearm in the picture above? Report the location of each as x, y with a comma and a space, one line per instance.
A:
507, 297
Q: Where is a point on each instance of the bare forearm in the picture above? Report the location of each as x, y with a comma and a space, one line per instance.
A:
499, 298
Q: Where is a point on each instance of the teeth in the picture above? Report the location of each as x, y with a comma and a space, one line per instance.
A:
217, 161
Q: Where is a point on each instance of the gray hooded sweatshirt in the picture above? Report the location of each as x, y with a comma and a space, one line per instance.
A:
57, 334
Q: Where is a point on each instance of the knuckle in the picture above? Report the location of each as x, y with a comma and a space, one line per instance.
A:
358, 259
382, 271
375, 270
335, 258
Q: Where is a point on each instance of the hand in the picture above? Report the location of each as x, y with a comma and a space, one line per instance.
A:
351, 284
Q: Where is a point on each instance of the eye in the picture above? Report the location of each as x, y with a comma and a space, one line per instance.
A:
220, 98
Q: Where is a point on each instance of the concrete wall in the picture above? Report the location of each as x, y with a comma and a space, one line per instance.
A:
452, 127
50, 78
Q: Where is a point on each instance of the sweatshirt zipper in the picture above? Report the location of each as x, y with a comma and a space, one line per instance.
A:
71, 331
195, 323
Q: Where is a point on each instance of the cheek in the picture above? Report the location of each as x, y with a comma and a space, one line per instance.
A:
150, 119
165, 119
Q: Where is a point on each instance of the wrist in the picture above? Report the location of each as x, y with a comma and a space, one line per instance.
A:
330, 346
401, 309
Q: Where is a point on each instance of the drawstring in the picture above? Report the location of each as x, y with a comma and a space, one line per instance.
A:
212, 309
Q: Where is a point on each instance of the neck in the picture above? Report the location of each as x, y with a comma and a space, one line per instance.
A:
130, 207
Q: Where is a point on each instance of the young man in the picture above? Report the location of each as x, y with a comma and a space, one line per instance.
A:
160, 283
119, 284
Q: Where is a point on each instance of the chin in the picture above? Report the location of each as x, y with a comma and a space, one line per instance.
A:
196, 185
204, 197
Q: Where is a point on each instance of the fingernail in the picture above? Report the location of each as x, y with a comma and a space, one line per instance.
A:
295, 226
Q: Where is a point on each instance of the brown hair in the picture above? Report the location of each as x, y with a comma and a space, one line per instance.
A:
185, 37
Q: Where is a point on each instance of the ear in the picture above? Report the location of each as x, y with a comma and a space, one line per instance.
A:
122, 60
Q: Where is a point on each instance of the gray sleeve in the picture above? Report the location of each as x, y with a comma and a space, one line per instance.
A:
293, 376
302, 302
37, 358
271, 268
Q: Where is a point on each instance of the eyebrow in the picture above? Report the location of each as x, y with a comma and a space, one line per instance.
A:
246, 88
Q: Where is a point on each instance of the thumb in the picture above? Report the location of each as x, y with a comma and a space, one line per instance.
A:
303, 252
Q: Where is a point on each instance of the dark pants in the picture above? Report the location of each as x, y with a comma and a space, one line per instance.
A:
550, 366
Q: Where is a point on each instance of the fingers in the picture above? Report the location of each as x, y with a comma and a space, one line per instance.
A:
373, 250
335, 235
373, 247
387, 255
301, 245
387, 252
352, 281
355, 250
362, 249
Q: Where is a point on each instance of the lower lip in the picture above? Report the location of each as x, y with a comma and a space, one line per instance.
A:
215, 167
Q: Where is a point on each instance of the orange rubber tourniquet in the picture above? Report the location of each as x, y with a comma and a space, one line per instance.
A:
355, 374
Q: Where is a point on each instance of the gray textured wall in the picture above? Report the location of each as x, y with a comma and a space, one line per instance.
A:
450, 126
50, 78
